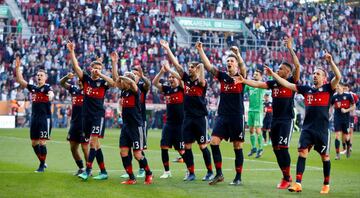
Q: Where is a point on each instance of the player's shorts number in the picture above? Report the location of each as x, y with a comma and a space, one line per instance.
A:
95, 129
202, 139
182, 145
282, 140
241, 136
323, 148
43, 134
136, 145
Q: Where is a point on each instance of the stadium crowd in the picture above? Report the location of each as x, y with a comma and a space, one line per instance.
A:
134, 28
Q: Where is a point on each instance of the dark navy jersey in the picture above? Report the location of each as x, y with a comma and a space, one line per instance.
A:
174, 100
94, 94
141, 86
268, 109
77, 98
317, 104
194, 102
344, 100
41, 105
231, 95
283, 99
131, 107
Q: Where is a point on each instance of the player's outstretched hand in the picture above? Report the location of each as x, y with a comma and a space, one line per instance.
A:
114, 57
238, 79
164, 44
165, 66
268, 70
198, 45
17, 60
288, 42
328, 57
234, 49
70, 46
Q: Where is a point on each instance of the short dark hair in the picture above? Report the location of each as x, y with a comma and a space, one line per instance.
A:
287, 65
41, 70
96, 63
233, 56
260, 71
322, 69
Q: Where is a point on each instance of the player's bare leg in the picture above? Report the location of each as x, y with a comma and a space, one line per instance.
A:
74, 146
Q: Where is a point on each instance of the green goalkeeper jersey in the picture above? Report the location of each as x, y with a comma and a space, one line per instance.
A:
256, 96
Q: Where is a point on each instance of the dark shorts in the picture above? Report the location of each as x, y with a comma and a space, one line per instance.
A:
76, 134
94, 126
352, 120
132, 137
280, 133
319, 139
229, 128
194, 129
341, 127
171, 136
267, 123
40, 128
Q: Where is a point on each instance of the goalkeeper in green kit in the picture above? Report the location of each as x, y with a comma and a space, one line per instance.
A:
255, 115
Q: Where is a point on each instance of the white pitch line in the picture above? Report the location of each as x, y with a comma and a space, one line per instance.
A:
173, 152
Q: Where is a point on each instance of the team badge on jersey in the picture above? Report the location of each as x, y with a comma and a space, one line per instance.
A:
98, 84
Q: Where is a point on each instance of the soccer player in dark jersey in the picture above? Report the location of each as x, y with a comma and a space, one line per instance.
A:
282, 121
343, 103
40, 126
95, 86
173, 91
316, 122
352, 117
143, 84
76, 136
194, 125
132, 130
230, 122
268, 110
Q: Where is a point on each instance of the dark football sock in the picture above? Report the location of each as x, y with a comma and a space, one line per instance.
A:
326, 171
144, 164
300, 168
128, 166
239, 161
100, 160
337, 146
215, 149
92, 155
165, 158
207, 159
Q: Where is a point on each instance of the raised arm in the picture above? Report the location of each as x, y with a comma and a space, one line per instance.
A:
336, 79
296, 72
19, 76
114, 63
172, 58
251, 83
156, 80
133, 86
208, 66
76, 67
241, 63
109, 80
63, 80
280, 80
147, 82
202, 75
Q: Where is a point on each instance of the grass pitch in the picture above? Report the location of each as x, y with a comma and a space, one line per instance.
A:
260, 176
